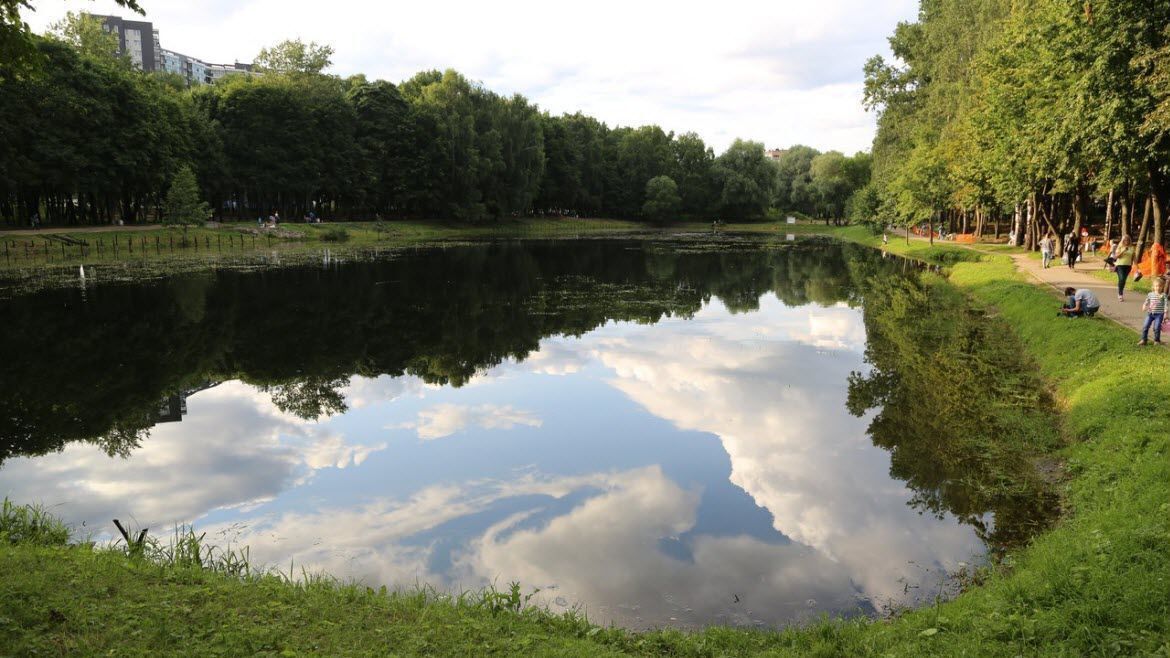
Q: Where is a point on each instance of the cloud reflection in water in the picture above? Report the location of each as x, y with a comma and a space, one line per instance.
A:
530, 482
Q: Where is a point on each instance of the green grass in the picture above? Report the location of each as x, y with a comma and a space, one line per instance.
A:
35, 262
941, 253
30, 525
23, 250
1098, 583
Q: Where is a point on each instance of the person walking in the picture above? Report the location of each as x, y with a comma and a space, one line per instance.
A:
1155, 310
1047, 245
1072, 249
1123, 263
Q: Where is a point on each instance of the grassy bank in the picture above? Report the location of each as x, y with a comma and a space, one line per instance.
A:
1096, 584
56, 246
51, 258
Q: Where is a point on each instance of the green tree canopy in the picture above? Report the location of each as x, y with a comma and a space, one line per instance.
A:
748, 177
85, 33
295, 56
17, 49
92, 140
184, 207
662, 199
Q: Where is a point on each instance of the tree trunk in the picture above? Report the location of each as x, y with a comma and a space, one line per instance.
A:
1028, 225
1126, 205
1017, 236
1156, 206
1109, 216
1078, 209
1141, 239
1044, 214
1158, 200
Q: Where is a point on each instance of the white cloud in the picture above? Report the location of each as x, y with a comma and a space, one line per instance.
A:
769, 385
371, 542
446, 419
604, 551
780, 72
333, 451
771, 390
233, 449
365, 391
779, 409
558, 355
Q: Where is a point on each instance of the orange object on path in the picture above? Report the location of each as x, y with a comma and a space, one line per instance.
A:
1153, 261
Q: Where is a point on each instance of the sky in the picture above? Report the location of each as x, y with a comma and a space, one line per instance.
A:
782, 72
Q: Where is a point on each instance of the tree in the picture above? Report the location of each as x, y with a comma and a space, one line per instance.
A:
91, 140
85, 33
694, 161
747, 177
642, 153
385, 140
17, 48
662, 200
184, 207
865, 206
295, 56
830, 184
793, 189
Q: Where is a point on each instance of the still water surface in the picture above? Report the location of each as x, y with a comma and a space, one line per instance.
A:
657, 433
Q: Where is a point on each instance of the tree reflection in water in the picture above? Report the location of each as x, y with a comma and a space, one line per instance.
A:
947, 381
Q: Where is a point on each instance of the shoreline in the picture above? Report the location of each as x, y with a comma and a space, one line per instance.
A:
1093, 584
29, 263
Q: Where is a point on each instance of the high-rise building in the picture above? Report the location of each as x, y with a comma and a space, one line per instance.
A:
138, 40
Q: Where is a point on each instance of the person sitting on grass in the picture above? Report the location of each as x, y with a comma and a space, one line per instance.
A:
1080, 302
1155, 309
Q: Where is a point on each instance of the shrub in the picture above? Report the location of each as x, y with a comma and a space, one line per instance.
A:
335, 235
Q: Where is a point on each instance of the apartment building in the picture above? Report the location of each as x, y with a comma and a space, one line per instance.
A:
139, 41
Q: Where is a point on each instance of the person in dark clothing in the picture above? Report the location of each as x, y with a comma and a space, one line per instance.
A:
1122, 264
1072, 248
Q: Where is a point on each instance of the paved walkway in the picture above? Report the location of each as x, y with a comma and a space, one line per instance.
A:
1127, 313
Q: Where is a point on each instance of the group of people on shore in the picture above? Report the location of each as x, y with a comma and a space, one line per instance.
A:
1121, 260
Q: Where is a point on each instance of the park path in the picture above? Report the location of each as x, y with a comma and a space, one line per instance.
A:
1127, 313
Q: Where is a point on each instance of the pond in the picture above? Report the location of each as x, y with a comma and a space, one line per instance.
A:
656, 433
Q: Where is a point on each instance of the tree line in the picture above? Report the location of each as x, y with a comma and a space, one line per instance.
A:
91, 140
1033, 117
